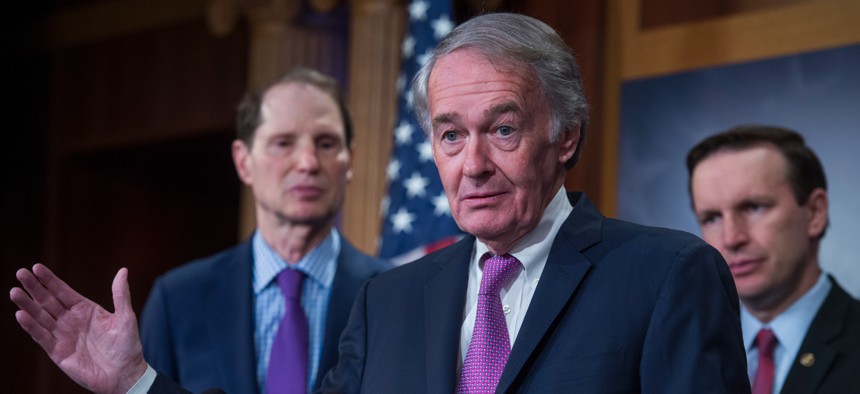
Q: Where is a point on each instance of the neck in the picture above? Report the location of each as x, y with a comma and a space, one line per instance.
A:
293, 241
767, 308
505, 243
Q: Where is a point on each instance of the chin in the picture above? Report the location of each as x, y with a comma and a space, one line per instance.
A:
751, 292
308, 216
486, 232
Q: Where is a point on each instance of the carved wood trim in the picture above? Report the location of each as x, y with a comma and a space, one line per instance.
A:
377, 28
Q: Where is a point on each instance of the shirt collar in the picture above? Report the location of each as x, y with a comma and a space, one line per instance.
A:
534, 247
318, 265
791, 325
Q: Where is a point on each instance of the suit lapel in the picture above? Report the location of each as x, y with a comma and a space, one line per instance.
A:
231, 306
444, 297
805, 376
565, 268
344, 287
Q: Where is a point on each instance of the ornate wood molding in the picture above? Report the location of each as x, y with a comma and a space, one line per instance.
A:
324, 5
376, 30
222, 15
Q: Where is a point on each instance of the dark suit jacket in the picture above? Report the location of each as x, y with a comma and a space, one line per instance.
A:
197, 326
833, 340
620, 308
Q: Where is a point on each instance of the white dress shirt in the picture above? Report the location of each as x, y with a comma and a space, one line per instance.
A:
532, 252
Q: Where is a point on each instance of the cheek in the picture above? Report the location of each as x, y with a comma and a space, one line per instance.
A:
710, 236
449, 175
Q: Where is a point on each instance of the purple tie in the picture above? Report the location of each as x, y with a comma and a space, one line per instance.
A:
490, 346
288, 360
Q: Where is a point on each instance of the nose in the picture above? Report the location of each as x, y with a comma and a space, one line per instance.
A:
307, 157
477, 163
735, 232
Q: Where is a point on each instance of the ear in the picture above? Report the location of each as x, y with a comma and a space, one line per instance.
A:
817, 205
241, 159
351, 152
567, 145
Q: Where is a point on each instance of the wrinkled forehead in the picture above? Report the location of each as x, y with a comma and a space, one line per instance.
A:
470, 63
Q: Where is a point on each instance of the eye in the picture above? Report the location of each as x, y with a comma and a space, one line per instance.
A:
280, 144
708, 219
326, 143
753, 207
505, 131
449, 136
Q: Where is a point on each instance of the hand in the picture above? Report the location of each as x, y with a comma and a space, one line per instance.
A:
99, 350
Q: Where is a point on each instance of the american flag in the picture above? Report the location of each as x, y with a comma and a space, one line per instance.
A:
416, 216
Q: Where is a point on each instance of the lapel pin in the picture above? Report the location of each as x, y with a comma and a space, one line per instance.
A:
807, 359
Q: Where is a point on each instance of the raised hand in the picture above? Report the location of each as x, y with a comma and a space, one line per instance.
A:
99, 350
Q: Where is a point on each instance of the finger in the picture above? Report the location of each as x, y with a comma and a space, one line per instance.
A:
63, 293
121, 292
36, 312
36, 331
39, 293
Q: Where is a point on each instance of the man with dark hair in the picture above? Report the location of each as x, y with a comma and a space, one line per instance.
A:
544, 294
213, 322
760, 197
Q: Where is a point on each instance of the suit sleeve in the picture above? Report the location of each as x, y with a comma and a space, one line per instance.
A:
346, 376
155, 333
693, 343
163, 385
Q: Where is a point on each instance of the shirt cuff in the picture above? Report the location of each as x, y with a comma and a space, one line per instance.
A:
144, 383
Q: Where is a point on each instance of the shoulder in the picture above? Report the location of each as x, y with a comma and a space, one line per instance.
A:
426, 267
654, 257
356, 261
840, 305
632, 238
590, 232
198, 272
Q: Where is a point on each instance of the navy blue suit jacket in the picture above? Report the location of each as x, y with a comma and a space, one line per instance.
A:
197, 326
620, 308
833, 340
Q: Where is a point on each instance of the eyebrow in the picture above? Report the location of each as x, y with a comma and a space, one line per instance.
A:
447, 117
495, 110
502, 108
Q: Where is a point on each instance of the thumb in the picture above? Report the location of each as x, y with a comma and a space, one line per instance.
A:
121, 292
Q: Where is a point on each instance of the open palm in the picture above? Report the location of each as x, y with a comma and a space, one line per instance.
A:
99, 350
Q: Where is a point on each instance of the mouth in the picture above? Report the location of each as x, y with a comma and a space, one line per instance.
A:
477, 199
741, 267
306, 191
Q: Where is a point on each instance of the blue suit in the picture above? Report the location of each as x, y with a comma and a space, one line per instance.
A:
197, 326
620, 308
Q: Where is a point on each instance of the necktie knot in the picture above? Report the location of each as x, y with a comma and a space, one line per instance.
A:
497, 271
290, 282
766, 341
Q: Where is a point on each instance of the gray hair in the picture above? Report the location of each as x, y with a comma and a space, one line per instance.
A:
517, 40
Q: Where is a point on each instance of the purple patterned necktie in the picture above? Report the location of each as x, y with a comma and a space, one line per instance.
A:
490, 346
288, 360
